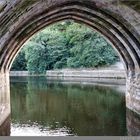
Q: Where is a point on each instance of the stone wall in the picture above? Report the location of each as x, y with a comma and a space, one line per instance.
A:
88, 73
133, 93
117, 20
4, 97
5, 127
117, 74
132, 123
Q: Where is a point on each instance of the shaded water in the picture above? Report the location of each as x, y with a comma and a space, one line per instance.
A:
42, 107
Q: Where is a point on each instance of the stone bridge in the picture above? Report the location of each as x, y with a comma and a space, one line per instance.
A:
117, 20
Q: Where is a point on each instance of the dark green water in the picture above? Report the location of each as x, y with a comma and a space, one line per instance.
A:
50, 108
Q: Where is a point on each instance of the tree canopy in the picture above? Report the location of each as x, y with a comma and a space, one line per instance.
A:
65, 45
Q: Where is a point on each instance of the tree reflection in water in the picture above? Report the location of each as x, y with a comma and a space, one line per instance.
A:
48, 107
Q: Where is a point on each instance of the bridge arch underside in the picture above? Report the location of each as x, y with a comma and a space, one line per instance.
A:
113, 27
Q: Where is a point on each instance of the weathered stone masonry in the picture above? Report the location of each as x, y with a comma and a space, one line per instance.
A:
117, 20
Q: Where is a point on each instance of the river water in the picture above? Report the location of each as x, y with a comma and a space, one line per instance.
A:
42, 107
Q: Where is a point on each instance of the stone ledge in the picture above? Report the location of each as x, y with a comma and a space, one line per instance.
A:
118, 74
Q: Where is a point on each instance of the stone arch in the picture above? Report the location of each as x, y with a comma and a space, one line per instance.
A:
79, 11
21, 19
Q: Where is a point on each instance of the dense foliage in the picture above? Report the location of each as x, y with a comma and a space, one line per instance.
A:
20, 62
65, 45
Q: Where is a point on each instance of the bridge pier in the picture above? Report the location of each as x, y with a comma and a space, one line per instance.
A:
133, 93
5, 127
132, 123
4, 100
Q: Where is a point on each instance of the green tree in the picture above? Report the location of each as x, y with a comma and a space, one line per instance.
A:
65, 44
36, 56
20, 62
89, 48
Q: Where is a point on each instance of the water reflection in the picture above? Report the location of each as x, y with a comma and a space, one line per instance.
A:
50, 108
43, 107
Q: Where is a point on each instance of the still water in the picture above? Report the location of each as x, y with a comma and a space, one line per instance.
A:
42, 107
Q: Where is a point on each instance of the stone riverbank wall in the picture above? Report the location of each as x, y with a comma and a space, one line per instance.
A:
118, 74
